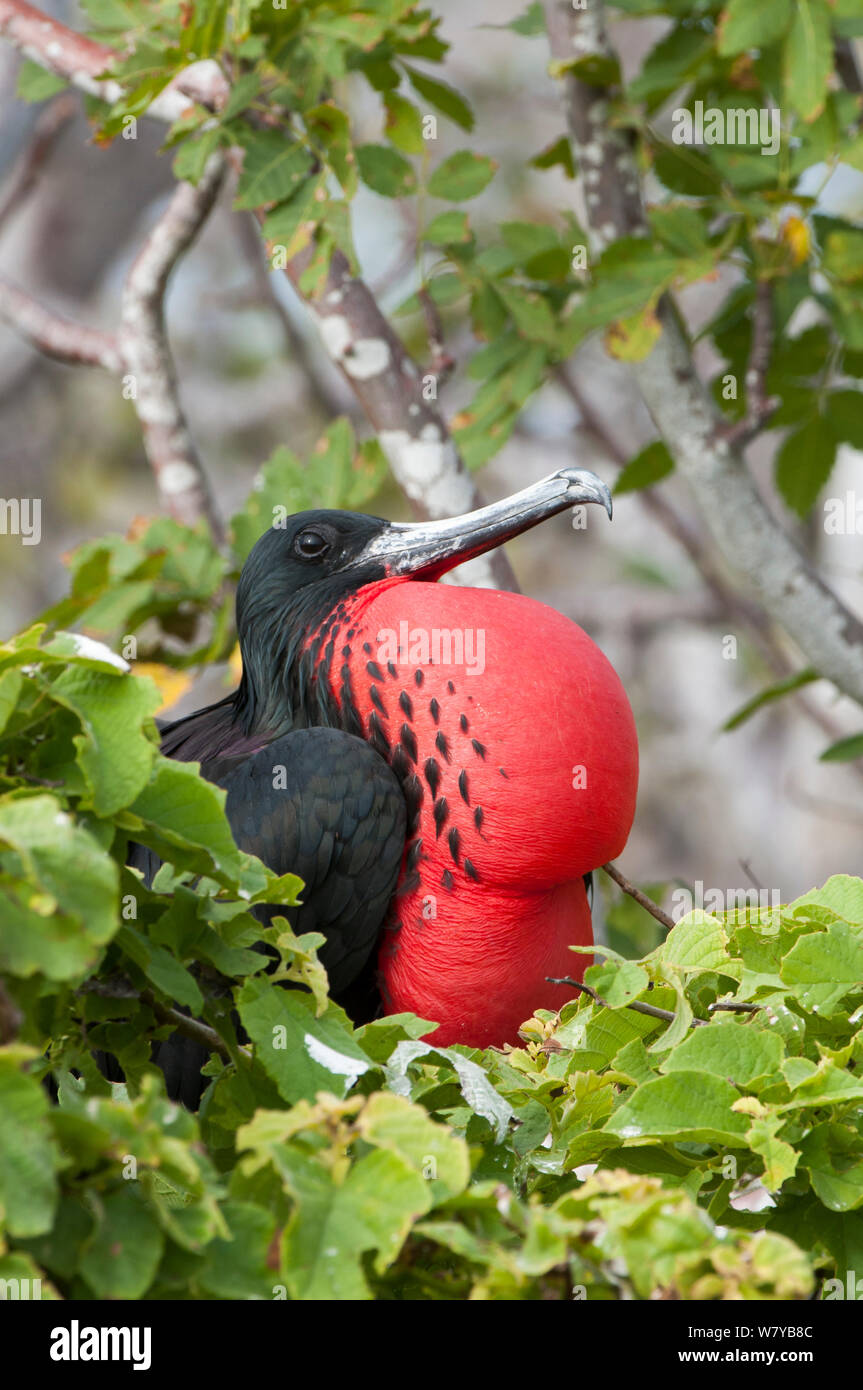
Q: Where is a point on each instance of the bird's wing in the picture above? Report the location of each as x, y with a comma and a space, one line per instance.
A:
322, 804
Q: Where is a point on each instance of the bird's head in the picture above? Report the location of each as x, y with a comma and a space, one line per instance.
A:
305, 567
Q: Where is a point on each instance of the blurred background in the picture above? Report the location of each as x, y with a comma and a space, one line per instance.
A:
753, 806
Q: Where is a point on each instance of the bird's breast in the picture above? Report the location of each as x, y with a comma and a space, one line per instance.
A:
516, 747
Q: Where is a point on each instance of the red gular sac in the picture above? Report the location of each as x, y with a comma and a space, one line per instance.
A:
516, 748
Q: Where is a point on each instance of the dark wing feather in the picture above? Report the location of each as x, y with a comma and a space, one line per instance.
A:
323, 805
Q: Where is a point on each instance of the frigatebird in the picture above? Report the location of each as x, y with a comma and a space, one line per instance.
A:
442, 766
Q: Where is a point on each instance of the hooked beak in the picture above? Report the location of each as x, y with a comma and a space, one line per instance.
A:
430, 548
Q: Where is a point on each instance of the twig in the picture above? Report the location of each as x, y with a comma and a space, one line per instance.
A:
442, 363
190, 1027
641, 898
385, 379
140, 351
733, 1006
49, 124
82, 62
180, 478
637, 1007
390, 388
747, 869
56, 336
748, 537
325, 399
759, 406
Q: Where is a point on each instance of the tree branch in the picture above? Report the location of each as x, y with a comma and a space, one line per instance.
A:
180, 478
56, 336
641, 898
83, 62
190, 1027
49, 123
376, 364
748, 537
637, 1007
728, 599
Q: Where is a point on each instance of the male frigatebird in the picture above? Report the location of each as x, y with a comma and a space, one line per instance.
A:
442, 766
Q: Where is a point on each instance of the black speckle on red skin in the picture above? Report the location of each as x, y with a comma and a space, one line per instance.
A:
471, 871
478, 748
392, 670
463, 724
462, 787
447, 880
409, 741
454, 842
450, 687
431, 772
375, 697
418, 676
367, 648
406, 704
441, 815
478, 817
441, 743
374, 670
434, 711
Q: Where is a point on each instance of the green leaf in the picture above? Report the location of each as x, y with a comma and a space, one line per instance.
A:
697, 942
114, 752
447, 229
273, 168
35, 84
773, 692
475, 1086
28, 1155
301, 1053
123, 1254
649, 466
824, 966
804, 464
463, 175
685, 1105
732, 1050
808, 58
844, 750
334, 1225
559, 152
617, 982
844, 411
182, 817
391, 1122
441, 96
744, 25
404, 124
58, 891
386, 171
832, 1153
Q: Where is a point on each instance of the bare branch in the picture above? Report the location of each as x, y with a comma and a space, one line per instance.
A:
748, 537
728, 599
83, 62
121, 988
383, 376
641, 898
55, 335
759, 406
50, 122
180, 478
393, 393
637, 1007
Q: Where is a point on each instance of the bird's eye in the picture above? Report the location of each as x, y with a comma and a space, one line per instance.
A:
311, 545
